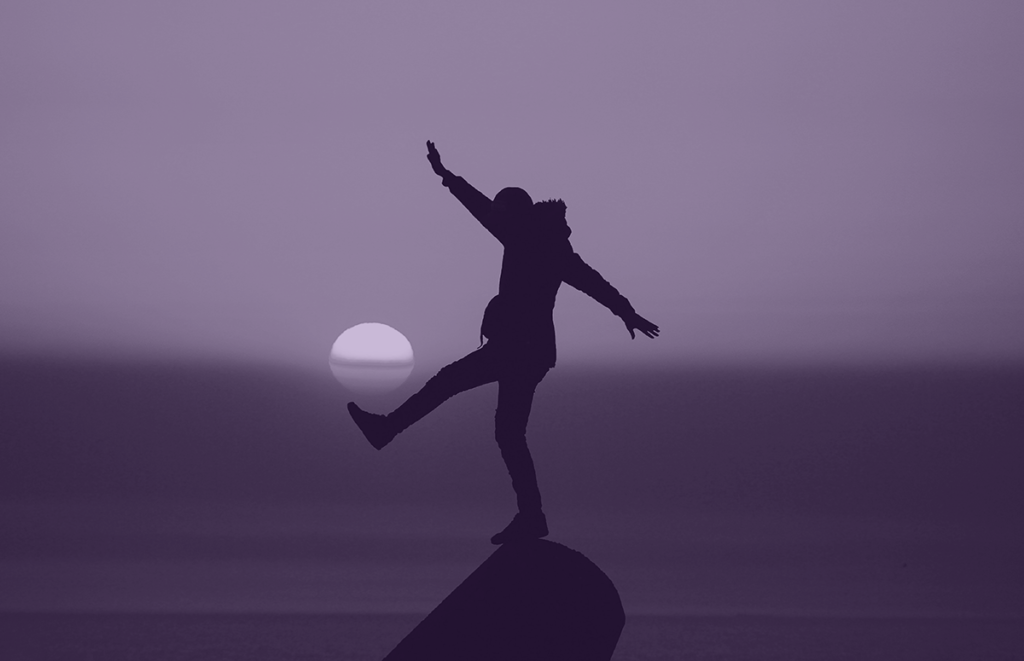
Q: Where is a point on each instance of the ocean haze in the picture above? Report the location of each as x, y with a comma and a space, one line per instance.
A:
164, 486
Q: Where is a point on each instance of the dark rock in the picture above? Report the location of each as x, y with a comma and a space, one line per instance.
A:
534, 600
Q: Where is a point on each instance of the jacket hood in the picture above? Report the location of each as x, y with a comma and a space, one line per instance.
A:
549, 217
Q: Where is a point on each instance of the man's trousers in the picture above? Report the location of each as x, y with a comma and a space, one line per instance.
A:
517, 380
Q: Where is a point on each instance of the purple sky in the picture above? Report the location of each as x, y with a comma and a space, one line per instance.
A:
786, 180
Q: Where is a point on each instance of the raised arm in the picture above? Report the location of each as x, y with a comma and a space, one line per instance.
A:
476, 202
582, 276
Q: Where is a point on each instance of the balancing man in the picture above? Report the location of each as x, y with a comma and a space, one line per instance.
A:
519, 332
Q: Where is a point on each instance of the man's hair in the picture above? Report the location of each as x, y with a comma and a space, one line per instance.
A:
516, 199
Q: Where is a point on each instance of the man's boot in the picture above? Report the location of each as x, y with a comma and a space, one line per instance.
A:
377, 429
524, 526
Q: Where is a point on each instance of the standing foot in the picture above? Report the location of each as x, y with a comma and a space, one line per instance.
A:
375, 427
524, 526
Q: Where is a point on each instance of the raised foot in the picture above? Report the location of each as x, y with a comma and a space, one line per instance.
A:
524, 526
375, 427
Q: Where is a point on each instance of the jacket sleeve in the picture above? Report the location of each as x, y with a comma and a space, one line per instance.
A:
476, 202
582, 276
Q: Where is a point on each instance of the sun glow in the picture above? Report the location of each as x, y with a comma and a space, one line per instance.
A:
371, 358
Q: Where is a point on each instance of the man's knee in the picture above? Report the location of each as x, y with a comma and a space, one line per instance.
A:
446, 373
454, 373
509, 433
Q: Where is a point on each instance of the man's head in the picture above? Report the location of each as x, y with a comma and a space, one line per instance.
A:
511, 202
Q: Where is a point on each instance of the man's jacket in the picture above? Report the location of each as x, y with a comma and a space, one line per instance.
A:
537, 259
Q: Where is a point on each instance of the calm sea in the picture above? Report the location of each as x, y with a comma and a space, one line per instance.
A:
264, 637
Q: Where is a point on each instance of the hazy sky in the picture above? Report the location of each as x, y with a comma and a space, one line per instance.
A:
797, 180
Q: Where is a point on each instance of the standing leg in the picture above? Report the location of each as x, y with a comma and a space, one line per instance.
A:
515, 399
468, 372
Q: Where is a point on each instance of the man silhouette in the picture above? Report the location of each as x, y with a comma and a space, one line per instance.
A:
519, 332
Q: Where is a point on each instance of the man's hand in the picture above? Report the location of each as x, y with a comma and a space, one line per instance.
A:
635, 322
435, 160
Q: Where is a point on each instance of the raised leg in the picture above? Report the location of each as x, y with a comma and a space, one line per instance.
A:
464, 374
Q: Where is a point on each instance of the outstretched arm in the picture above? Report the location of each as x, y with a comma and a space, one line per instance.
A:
476, 202
582, 276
